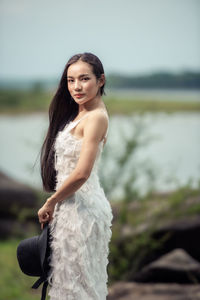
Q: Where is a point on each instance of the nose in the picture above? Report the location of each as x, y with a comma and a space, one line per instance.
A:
77, 85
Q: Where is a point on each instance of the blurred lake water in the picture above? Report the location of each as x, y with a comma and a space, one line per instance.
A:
174, 149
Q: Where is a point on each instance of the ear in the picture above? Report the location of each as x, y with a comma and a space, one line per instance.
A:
102, 80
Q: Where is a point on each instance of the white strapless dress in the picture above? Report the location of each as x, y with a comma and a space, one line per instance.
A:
80, 229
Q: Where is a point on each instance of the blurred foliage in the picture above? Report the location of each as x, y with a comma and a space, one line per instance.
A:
135, 223
127, 250
186, 79
22, 101
128, 106
14, 284
163, 79
126, 168
137, 217
37, 99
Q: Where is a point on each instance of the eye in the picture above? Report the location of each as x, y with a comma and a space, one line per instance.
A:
69, 80
85, 78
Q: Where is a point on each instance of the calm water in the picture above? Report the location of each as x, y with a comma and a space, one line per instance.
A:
173, 148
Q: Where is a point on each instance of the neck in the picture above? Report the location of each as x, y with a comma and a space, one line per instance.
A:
91, 105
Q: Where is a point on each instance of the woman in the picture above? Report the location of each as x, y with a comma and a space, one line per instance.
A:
78, 212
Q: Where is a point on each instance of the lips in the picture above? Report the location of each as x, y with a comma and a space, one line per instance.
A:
79, 95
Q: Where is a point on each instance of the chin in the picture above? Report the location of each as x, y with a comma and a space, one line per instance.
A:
82, 101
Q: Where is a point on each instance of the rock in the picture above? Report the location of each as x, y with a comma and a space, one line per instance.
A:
13, 228
138, 291
181, 233
14, 196
17, 201
176, 266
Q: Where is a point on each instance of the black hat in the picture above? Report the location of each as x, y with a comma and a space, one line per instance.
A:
33, 256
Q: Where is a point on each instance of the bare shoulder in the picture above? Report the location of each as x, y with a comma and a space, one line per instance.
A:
96, 124
98, 116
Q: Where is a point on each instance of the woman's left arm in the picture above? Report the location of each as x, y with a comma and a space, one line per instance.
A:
94, 130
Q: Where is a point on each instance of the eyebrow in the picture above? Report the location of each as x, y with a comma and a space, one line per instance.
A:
79, 75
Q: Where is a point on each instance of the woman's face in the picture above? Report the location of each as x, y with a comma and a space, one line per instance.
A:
82, 83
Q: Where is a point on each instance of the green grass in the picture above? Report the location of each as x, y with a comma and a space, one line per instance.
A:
14, 101
127, 106
14, 284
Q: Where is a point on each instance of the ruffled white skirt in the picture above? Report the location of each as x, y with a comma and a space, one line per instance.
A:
80, 236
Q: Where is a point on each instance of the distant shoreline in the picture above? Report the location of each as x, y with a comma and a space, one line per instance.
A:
117, 102
182, 95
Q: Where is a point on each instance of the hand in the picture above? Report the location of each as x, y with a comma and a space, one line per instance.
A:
45, 213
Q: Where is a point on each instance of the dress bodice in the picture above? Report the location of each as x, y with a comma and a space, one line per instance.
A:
67, 152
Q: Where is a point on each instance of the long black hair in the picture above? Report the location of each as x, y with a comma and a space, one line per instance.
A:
62, 110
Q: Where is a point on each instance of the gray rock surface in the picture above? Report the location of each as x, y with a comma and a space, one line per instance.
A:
176, 266
16, 200
140, 291
14, 194
181, 233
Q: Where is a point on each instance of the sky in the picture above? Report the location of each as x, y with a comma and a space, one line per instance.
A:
37, 37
